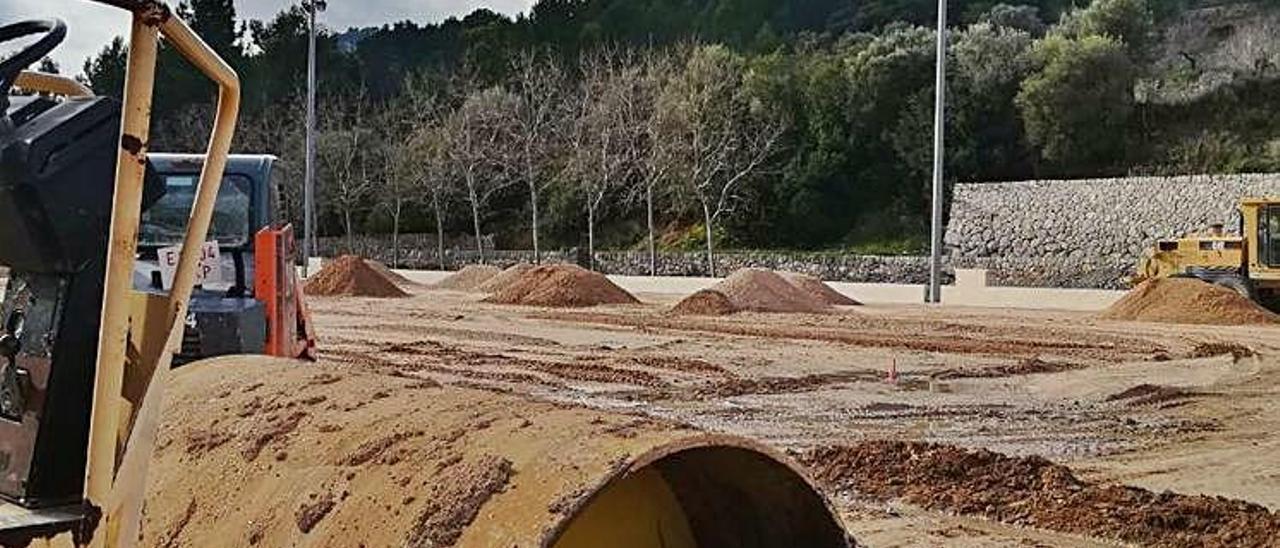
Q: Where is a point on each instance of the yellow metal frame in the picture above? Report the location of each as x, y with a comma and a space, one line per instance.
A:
56, 84
1252, 210
1246, 251
122, 432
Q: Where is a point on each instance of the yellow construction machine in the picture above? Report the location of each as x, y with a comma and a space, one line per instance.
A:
85, 356
1248, 263
85, 364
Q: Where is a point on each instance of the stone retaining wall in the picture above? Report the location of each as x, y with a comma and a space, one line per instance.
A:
1069, 234
829, 266
1086, 233
415, 249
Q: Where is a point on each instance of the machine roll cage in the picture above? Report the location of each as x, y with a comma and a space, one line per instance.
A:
129, 361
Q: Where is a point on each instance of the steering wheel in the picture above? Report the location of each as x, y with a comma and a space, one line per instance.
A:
54, 30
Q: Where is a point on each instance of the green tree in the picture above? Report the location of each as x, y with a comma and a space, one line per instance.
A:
1021, 17
726, 135
1131, 22
1076, 108
104, 72
48, 66
891, 89
985, 141
215, 22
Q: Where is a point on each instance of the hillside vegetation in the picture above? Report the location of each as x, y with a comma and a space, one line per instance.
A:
750, 123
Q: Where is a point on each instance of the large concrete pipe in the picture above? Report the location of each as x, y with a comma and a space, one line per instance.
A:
256, 451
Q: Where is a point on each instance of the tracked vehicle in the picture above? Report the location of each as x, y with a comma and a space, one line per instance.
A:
1248, 263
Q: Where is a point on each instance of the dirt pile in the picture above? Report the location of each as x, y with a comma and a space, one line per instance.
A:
351, 276
505, 278
391, 274
818, 289
753, 290
1187, 301
470, 278
707, 302
1032, 491
561, 286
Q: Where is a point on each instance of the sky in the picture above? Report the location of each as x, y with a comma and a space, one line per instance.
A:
91, 26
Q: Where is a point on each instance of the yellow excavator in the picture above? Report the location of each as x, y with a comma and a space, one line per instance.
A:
1248, 263
86, 365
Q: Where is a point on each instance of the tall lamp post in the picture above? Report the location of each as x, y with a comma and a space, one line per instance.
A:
939, 152
309, 185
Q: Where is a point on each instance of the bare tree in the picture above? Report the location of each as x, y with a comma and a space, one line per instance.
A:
653, 149
279, 131
407, 168
187, 129
396, 189
539, 88
431, 164
344, 141
723, 134
476, 135
423, 152
605, 130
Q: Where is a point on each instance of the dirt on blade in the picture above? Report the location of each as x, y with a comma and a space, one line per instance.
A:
1188, 301
470, 278
562, 286
351, 276
1032, 491
818, 289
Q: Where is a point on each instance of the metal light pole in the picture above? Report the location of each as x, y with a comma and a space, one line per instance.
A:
309, 185
939, 151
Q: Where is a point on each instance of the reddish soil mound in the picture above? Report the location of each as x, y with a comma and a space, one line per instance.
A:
391, 274
1025, 366
1153, 394
758, 290
1032, 491
707, 302
818, 289
469, 278
565, 286
351, 276
1214, 349
505, 278
1187, 301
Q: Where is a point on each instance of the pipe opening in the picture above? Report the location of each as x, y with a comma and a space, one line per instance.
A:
708, 496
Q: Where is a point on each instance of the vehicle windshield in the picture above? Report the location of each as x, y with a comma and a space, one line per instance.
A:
165, 223
1270, 233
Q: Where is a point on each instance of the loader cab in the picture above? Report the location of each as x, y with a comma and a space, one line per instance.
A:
246, 203
1261, 224
224, 316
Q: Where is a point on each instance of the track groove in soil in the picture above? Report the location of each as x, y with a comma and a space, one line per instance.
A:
1031, 343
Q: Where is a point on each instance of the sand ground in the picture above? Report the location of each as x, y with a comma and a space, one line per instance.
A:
969, 377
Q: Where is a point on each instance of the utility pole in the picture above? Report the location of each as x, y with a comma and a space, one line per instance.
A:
939, 152
309, 185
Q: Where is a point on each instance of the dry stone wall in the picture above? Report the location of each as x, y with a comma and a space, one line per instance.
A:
1087, 233
828, 266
